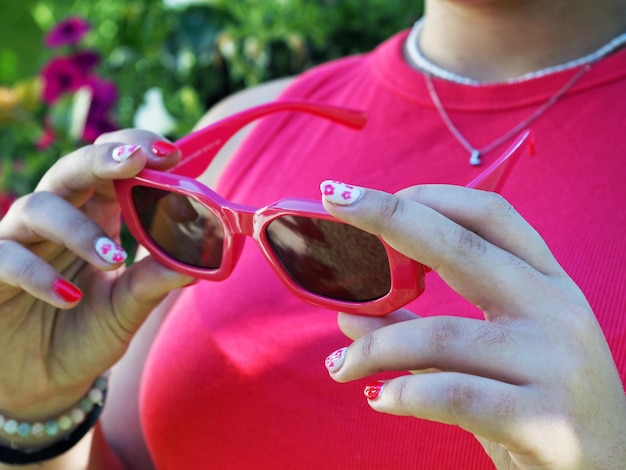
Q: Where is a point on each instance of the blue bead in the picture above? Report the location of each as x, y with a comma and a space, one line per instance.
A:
52, 428
23, 429
86, 405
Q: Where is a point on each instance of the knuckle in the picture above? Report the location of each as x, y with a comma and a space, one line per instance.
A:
582, 326
22, 268
368, 346
73, 227
400, 394
28, 209
89, 155
467, 243
458, 395
27, 271
390, 211
493, 334
442, 332
30, 203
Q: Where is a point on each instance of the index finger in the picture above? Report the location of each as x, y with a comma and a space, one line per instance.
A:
507, 278
121, 154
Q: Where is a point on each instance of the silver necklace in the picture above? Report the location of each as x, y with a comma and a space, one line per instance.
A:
476, 154
421, 62
430, 69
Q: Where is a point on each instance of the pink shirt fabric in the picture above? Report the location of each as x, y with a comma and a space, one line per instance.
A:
236, 377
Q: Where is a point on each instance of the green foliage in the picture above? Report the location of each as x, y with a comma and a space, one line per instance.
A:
195, 54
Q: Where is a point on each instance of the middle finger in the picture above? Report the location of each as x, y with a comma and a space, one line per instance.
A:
45, 216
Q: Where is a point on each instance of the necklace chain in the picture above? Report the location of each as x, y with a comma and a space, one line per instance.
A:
430, 69
476, 154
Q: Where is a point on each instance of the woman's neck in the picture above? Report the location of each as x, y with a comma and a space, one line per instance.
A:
495, 40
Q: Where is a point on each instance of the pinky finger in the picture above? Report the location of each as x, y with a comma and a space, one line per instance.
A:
21, 270
482, 406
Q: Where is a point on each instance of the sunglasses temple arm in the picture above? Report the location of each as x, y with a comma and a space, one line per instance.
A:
495, 176
200, 147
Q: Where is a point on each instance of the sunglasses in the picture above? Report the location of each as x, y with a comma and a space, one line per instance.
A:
323, 261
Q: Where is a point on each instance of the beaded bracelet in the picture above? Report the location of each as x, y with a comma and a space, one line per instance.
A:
83, 416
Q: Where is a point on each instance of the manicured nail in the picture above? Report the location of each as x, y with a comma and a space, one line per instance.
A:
123, 152
110, 251
66, 290
162, 148
335, 360
372, 391
340, 193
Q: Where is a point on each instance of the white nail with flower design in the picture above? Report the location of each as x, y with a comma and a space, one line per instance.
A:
340, 193
123, 152
110, 251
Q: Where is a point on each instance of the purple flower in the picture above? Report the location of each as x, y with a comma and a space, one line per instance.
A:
103, 99
61, 75
85, 60
104, 93
68, 32
96, 125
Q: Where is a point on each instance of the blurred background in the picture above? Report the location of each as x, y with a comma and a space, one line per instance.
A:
72, 69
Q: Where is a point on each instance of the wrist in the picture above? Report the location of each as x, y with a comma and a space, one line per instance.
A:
36, 428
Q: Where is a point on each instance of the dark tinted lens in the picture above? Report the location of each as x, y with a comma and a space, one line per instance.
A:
183, 228
331, 259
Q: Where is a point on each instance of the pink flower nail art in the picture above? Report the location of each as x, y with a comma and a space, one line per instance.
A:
123, 152
373, 390
335, 360
110, 251
340, 193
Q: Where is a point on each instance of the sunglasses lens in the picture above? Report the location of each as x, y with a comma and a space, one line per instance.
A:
331, 259
180, 226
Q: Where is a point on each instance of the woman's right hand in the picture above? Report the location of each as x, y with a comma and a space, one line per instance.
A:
54, 344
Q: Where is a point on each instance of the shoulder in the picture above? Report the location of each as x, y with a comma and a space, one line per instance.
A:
232, 104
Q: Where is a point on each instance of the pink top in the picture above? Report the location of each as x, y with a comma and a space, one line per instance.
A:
236, 377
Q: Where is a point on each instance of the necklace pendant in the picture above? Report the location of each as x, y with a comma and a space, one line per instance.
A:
474, 159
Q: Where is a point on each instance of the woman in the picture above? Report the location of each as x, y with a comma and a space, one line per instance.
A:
227, 374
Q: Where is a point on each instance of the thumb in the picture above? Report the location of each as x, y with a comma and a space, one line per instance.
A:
140, 289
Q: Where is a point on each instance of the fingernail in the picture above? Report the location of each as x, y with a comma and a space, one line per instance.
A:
335, 360
340, 193
123, 152
110, 251
162, 148
372, 391
66, 290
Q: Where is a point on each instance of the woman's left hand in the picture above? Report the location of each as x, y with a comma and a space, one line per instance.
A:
535, 381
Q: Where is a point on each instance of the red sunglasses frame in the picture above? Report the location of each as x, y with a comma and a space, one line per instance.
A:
240, 221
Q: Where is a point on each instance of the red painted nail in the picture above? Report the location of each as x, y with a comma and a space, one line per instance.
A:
66, 290
162, 148
372, 391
